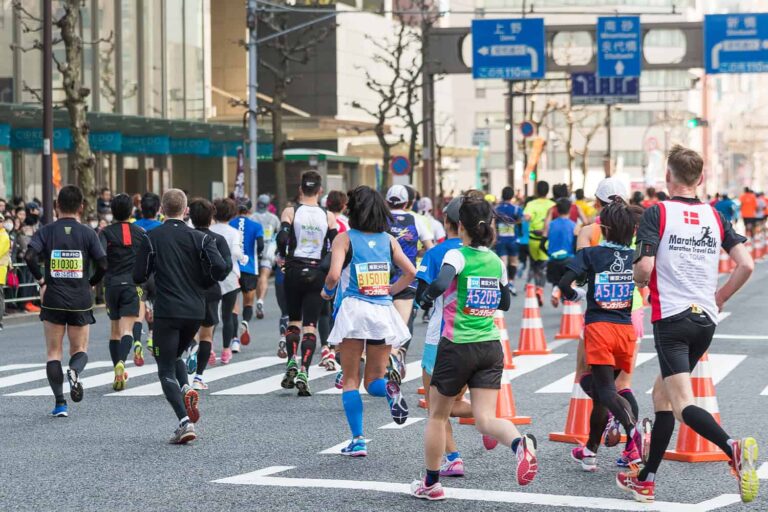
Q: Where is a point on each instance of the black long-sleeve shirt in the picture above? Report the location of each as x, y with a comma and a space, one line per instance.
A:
121, 242
185, 262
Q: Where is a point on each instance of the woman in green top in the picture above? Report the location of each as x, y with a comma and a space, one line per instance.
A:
469, 353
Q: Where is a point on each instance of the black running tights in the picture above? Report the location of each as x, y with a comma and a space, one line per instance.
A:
228, 322
171, 338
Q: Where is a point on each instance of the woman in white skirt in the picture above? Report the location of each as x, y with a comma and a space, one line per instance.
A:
366, 320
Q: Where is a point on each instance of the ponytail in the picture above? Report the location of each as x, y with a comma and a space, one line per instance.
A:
476, 215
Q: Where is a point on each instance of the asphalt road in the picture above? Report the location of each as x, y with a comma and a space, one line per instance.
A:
260, 447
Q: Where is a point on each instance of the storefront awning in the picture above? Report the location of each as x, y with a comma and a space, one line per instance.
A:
318, 155
372, 151
314, 128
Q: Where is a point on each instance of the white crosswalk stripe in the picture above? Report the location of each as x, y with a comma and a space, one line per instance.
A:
527, 364
269, 384
23, 378
412, 372
19, 366
565, 384
92, 382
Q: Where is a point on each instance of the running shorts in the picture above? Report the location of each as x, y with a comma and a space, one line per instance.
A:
476, 365
122, 301
750, 221
248, 282
211, 313
536, 250
302, 286
268, 256
681, 340
507, 247
407, 294
428, 358
63, 317
610, 344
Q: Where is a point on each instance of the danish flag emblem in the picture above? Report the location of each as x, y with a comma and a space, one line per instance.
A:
691, 218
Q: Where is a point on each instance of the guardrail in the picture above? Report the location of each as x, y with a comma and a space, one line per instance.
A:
9, 291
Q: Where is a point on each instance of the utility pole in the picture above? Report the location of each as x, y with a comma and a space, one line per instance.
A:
607, 160
253, 88
48, 113
510, 124
427, 113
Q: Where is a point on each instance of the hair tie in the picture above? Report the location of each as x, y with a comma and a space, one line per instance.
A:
481, 222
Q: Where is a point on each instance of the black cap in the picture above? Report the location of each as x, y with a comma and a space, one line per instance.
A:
244, 204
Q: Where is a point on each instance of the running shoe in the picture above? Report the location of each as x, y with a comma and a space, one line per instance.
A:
192, 363
302, 383
235, 346
291, 370
642, 438
199, 384
245, 337
357, 447
527, 465
226, 355
425, 317
489, 442
540, 296
339, 382
612, 432
282, 353
632, 456
259, 310
184, 434
75, 386
191, 401
138, 354
512, 289
397, 406
151, 347
119, 382
641, 491
332, 365
325, 354
452, 467
623, 461
60, 411
432, 493
393, 369
745, 455
588, 461
212, 358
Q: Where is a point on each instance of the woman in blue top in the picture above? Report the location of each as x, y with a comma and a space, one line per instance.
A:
361, 264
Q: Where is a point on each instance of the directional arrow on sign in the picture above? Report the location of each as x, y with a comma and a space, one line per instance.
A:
483, 51
619, 68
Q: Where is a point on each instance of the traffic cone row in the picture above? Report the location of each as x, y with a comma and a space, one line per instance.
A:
571, 323
577, 422
690, 446
532, 340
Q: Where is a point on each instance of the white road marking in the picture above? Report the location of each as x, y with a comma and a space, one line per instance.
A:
565, 385
23, 378
19, 366
94, 381
265, 477
764, 392
527, 364
559, 343
723, 315
211, 375
412, 372
394, 426
334, 450
269, 384
721, 365
762, 472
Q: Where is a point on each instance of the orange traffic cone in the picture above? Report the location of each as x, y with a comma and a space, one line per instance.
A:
501, 325
532, 339
421, 391
723, 267
577, 422
690, 446
571, 323
761, 244
505, 405
422, 403
750, 245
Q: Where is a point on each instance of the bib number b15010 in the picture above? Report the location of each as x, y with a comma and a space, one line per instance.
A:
373, 279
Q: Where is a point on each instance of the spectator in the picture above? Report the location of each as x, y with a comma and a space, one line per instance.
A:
3, 206
637, 198
652, 198
748, 202
661, 196
104, 201
33, 215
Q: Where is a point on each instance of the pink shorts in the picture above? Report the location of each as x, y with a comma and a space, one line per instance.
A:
638, 318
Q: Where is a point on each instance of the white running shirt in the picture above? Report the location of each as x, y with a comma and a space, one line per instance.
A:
310, 225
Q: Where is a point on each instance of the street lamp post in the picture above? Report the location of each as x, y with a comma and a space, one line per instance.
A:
253, 88
48, 113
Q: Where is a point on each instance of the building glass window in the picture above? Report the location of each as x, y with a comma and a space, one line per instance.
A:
153, 59
194, 92
88, 49
31, 61
174, 47
6, 53
106, 49
129, 47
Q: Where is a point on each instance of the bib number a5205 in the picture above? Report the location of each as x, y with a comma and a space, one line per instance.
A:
483, 296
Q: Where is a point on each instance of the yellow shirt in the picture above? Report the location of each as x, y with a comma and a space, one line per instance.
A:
5, 260
586, 208
537, 210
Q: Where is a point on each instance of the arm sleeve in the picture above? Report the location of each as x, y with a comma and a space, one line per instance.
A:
730, 237
441, 282
455, 259
506, 297
217, 266
648, 233
33, 263
259, 245
565, 285
37, 242
421, 288
283, 238
101, 269
144, 264
95, 250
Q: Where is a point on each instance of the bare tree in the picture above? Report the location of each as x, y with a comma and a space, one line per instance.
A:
82, 162
588, 133
285, 53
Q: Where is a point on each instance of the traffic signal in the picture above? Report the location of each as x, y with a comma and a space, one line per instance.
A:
532, 177
695, 122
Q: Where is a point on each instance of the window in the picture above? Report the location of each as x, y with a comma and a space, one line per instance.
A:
194, 91
174, 47
152, 59
496, 160
129, 49
632, 118
631, 158
6, 54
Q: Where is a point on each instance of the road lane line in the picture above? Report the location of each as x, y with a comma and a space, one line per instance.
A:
565, 385
720, 365
394, 426
412, 372
19, 366
269, 384
23, 378
94, 381
211, 375
265, 477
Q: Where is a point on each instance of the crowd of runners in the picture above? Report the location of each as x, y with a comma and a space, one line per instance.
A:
353, 270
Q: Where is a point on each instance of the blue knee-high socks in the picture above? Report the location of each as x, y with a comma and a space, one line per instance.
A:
378, 388
353, 408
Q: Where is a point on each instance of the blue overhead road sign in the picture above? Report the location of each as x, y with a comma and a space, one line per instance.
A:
511, 49
619, 48
589, 89
736, 43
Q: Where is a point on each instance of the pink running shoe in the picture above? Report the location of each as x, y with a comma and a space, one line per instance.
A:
432, 493
489, 443
452, 468
527, 465
212, 358
588, 461
226, 356
632, 455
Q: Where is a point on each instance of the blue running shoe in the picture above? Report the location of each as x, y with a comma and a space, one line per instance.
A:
358, 447
397, 406
192, 363
339, 383
60, 411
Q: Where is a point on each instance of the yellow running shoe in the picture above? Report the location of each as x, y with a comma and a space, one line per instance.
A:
745, 455
119, 383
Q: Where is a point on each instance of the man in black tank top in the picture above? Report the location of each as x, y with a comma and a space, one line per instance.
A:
306, 233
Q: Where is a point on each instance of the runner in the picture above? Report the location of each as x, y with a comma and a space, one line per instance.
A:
561, 244
306, 231
429, 268
150, 205
253, 245
469, 353
435, 226
270, 224
535, 213
678, 248
408, 229
185, 263
121, 243
609, 337
67, 249
508, 216
366, 321
201, 213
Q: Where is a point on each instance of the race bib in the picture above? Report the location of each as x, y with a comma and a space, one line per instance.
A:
373, 279
268, 233
613, 290
483, 296
66, 264
505, 230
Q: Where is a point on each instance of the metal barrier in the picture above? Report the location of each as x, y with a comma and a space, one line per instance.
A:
15, 291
